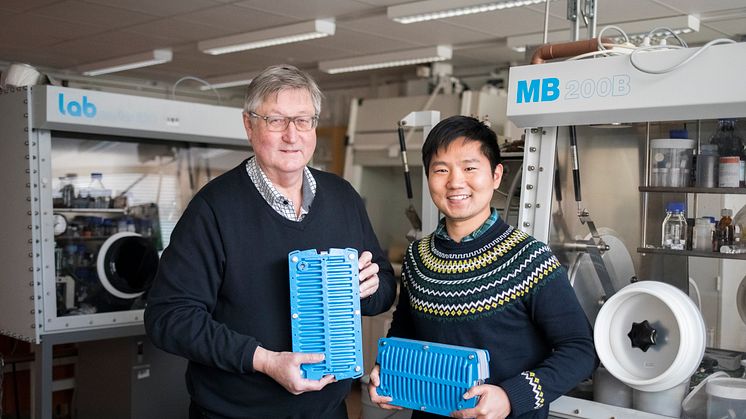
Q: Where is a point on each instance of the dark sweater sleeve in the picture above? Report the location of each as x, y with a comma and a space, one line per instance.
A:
557, 313
384, 297
178, 316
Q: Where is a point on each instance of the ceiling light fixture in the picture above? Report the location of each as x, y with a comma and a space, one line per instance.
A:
298, 32
440, 9
145, 59
389, 59
232, 80
634, 29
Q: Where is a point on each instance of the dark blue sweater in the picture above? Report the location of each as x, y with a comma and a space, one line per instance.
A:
504, 292
222, 289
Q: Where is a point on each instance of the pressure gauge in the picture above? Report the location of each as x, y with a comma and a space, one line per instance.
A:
60, 224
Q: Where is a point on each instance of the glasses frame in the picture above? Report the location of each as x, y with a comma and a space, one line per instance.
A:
287, 119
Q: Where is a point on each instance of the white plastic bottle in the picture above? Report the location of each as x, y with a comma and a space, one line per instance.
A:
702, 235
674, 227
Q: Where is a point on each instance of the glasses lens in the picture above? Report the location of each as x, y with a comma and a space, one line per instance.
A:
304, 123
277, 123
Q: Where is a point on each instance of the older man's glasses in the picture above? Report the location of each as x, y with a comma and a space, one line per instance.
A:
281, 123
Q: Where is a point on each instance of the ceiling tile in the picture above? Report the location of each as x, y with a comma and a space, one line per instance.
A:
307, 9
178, 30
700, 6
502, 23
232, 19
423, 33
123, 43
25, 25
363, 43
726, 28
23, 5
35, 57
383, 2
75, 11
496, 54
158, 7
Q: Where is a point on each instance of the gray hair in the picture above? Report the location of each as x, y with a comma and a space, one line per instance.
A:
280, 77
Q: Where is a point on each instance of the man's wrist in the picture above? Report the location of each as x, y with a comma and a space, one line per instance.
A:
260, 359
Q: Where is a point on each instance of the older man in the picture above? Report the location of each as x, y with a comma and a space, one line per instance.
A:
221, 296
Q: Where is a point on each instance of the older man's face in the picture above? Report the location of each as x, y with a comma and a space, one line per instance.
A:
285, 152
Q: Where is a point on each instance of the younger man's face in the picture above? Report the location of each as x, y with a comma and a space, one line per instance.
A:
461, 182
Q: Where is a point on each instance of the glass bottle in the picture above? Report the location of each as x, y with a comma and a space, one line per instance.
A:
97, 192
674, 227
731, 144
727, 139
725, 229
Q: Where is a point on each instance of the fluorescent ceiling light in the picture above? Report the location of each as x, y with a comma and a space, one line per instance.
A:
304, 31
638, 28
389, 59
145, 59
440, 9
233, 80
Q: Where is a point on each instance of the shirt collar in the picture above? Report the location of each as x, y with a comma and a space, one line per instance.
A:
442, 233
280, 203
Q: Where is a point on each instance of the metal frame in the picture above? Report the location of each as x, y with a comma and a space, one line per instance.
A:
427, 120
536, 184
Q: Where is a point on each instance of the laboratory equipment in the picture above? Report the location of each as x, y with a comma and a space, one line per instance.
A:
605, 92
70, 274
671, 161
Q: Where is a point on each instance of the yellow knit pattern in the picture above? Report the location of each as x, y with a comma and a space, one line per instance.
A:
533, 381
494, 301
481, 260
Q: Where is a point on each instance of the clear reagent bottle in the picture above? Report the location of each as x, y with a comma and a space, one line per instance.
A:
674, 227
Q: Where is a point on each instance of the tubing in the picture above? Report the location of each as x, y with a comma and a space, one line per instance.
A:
568, 49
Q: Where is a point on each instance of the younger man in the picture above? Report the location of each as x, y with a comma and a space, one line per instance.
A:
478, 282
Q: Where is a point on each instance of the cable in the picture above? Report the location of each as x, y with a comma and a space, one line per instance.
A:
601, 45
197, 79
675, 66
652, 33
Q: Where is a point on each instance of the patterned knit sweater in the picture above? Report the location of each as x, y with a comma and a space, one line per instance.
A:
507, 293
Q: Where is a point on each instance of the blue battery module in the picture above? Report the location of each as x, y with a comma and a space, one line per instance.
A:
431, 377
325, 311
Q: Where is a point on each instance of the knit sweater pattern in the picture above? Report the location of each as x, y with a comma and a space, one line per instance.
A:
507, 293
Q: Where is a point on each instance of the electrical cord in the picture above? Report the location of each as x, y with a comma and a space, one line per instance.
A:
197, 79
669, 69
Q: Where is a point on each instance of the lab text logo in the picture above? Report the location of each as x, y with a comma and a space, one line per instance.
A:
75, 108
538, 90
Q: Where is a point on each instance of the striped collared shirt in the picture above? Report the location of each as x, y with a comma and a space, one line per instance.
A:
442, 233
280, 203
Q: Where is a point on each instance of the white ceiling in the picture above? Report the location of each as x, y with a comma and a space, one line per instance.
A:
63, 34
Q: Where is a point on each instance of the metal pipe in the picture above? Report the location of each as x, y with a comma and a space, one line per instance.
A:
568, 49
594, 15
579, 246
646, 177
546, 22
576, 22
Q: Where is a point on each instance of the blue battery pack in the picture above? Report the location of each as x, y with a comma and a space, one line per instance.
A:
431, 377
325, 311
